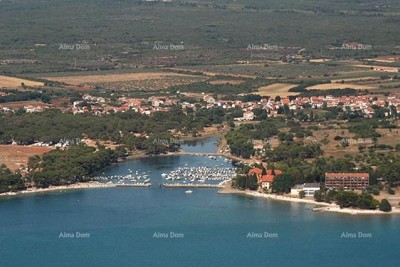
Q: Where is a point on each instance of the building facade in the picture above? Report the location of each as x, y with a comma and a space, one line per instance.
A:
308, 188
347, 181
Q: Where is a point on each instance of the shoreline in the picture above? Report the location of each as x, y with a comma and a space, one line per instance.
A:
76, 186
319, 206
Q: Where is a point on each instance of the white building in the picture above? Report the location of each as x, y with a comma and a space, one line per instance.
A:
308, 188
248, 116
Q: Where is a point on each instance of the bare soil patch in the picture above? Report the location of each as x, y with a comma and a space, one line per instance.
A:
12, 82
15, 157
328, 86
277, 89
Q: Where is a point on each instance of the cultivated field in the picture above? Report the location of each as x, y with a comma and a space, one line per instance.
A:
15, 157
205, 70
107, 78
277, 89
12, 82
328, 86
127, 81
272, 70
233, 82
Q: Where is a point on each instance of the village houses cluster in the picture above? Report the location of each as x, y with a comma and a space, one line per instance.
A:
273, 106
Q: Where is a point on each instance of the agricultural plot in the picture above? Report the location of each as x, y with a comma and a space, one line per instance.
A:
12, 82
277, 89
127, 81
15, 157
329, 86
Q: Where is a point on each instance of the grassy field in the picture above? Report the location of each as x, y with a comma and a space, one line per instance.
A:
127, 81
12, 82
328, 86
277, 89
233, 82
274, 69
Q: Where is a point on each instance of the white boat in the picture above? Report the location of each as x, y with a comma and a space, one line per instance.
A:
146, 181
164, 174
188, 191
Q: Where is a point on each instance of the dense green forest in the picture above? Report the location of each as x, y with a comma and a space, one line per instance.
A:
10, 181
240, 139
63, 167
53, 125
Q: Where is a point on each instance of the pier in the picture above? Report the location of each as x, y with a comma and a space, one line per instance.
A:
133, 185
192, 185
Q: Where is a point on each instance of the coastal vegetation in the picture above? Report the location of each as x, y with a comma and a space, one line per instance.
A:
244, 182
282, 183
75, 164
385, 206
348, 199
54, 125
240, 139
10, 181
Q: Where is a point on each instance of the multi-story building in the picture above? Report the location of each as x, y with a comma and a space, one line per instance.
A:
347, 181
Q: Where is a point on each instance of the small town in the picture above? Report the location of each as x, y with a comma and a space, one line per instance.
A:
273, 106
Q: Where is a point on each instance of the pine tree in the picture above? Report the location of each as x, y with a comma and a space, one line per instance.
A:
385, 206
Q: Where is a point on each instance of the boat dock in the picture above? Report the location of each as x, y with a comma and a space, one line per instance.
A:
133, 185
192, 186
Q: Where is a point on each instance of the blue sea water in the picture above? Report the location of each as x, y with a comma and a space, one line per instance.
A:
125, 227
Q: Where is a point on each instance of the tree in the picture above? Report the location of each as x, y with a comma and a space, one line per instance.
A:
346, 199
330, 196
282, 183
302, 194
264, 171
385, 206
319, 196
252, 182
366, 201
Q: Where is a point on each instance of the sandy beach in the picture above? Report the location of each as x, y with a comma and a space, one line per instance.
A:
320, 206
77, 186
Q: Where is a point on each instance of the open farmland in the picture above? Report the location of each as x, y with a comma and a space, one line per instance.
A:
233, 82
12, 82
22, 104
329, 86
15, 157
204, 71
127, 81
273, 69
277, 89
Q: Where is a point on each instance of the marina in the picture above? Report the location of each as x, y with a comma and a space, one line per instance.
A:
189, 176
214, 171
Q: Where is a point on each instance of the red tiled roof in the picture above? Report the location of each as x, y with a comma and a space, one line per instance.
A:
255, 171
267, 178
277, 172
